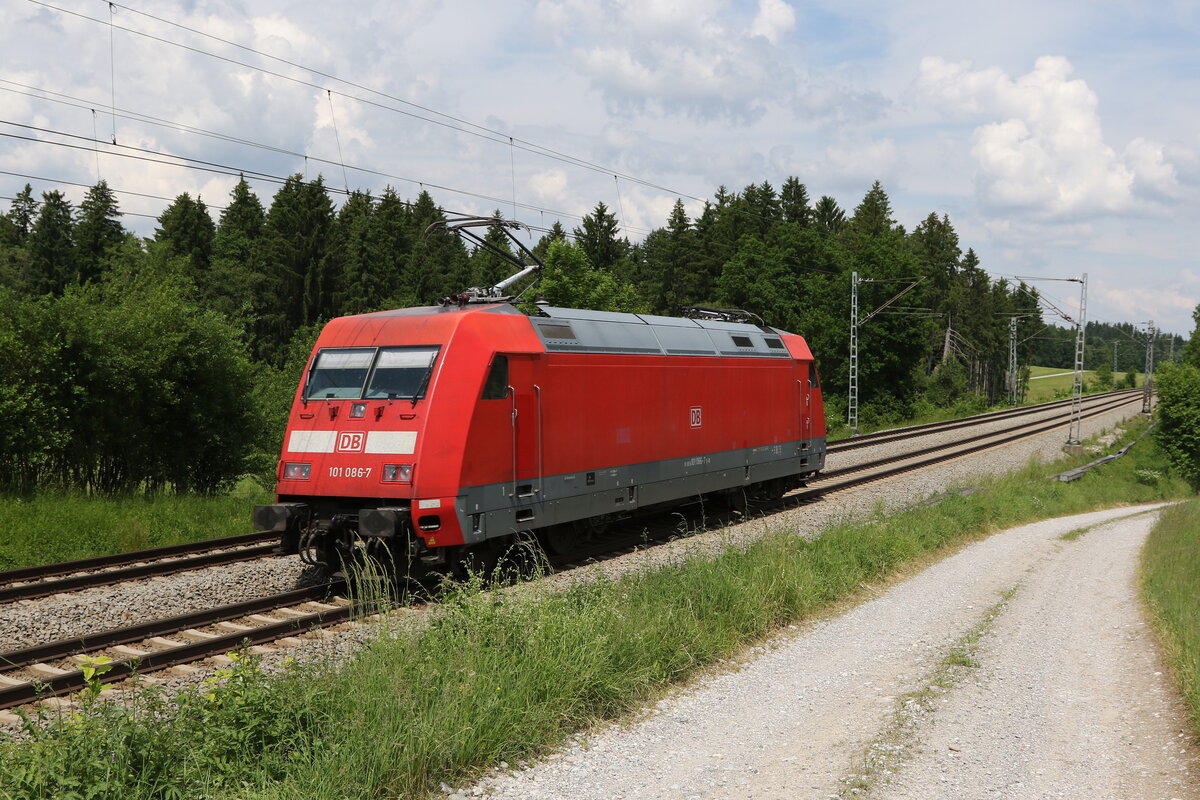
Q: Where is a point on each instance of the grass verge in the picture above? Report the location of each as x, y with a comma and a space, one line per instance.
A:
64, 527
1171, 588
505, 676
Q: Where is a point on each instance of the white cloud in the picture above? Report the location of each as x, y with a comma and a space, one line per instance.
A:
550, 186
699, 59
774, 19
1046, 153
864, 162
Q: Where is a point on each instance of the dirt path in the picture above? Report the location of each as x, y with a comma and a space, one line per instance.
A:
1065, 698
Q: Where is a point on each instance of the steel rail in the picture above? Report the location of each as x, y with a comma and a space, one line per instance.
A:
89, 580
897, 434
1022, 433
1113, 403
90, 643
73, 680
132, 557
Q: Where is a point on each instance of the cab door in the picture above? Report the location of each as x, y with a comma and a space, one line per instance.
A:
805, 385
525, 398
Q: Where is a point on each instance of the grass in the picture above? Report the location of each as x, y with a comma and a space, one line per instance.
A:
1171, 589
64, 527
507, 675
1046, 389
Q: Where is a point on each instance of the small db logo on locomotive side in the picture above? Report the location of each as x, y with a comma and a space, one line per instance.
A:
351, 441
695, 416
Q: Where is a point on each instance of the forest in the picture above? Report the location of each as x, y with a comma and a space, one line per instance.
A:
168, 362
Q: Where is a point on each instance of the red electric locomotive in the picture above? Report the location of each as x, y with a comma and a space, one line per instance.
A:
425, 434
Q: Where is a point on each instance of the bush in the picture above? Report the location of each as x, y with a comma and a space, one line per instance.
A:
1178, 431
121, 387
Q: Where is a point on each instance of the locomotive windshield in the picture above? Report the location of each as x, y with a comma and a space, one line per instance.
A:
370, 372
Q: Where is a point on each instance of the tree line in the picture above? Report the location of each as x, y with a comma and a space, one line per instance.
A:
169, 360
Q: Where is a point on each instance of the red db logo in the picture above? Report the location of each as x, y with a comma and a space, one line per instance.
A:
695, 416
351, 442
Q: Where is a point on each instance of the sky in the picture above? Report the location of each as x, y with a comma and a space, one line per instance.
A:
1061, 138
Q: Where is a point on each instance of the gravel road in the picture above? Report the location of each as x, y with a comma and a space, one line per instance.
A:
1066, 698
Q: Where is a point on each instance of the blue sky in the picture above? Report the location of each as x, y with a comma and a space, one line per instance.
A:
1060, 138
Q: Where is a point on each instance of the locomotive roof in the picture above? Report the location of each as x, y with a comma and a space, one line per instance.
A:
574, 330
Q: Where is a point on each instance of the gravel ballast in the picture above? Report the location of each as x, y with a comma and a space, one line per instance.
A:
1068, 700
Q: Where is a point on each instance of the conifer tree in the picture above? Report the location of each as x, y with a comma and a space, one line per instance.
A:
296, 240
828, 216
597, 236
186, 230
51, 243
793, 201
23, 212
98, 231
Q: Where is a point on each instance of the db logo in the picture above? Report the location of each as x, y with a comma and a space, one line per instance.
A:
351, 442
695, 416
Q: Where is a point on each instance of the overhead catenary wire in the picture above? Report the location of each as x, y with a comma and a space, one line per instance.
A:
471, 128
148, 155
82, 103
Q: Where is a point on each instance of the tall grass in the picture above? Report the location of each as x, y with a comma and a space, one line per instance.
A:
507, 675
64, 527
1171, 587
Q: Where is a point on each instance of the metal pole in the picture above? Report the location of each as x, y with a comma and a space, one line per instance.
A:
852, 417
1147, 389
1114, 357
1012, 361
1073, 437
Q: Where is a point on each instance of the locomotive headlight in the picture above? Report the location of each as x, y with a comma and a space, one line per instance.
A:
297, 472
397, 473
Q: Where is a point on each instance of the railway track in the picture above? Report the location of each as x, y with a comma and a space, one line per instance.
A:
70, 576
52, 669
929, 428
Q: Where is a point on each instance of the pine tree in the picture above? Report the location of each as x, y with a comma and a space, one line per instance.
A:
828, 216
23, 211
186, 231
381, 283
297, 238
98, 231
598, 237
348, 258
438, 263
51, 243
234, 284
873, 216
669, 278
556, 234
793, 201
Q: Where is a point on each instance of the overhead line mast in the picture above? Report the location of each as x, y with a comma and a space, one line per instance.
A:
852, 413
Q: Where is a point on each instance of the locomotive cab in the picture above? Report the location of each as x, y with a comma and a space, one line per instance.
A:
377, 388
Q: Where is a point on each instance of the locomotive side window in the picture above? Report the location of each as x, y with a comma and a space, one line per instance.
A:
339, 372
813, 380
401, 372
496, 387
